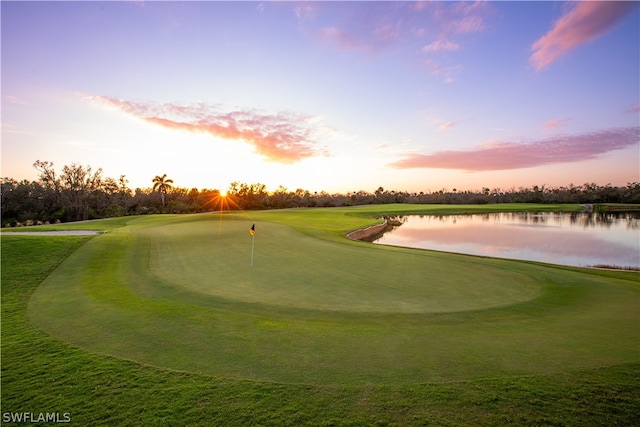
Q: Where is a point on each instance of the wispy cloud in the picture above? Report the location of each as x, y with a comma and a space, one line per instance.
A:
633, 109
283, 137
446, 126
369, 28
436, 68
16, 130
15, 100
510, 155
440, 45
419, 29
440, 123
556, 123
583, 22
347, 40
306, 10
463, 17
452, 21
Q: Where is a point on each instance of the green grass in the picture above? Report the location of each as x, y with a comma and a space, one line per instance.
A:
212, 354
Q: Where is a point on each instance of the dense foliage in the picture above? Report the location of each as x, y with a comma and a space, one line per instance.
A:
80, 193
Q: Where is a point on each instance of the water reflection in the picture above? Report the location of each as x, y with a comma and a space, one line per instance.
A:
579, 239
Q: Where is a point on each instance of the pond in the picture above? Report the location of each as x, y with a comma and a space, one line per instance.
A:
576, 239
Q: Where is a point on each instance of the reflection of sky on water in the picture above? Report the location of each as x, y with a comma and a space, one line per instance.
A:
571, 239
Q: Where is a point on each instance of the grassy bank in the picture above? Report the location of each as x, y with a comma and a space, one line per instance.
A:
297, 361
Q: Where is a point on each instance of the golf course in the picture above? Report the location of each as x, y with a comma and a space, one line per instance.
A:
192, 320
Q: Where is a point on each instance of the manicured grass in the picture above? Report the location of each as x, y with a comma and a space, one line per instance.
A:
178, 292
311, 364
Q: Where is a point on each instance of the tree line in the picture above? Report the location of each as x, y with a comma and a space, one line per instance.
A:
79, 192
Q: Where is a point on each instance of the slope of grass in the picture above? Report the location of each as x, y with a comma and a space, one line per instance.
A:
43, 374
178, 292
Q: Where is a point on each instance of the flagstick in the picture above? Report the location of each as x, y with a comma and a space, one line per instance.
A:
253, 237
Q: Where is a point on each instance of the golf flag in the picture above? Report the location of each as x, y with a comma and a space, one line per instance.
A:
252, 231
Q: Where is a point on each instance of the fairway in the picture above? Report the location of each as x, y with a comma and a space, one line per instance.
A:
178, 292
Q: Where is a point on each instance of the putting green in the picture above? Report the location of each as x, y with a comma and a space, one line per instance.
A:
179, 292
296, 271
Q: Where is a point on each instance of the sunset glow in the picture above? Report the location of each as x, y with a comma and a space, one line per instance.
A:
325, 96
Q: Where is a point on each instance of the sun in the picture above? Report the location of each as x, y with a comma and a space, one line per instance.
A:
221, 201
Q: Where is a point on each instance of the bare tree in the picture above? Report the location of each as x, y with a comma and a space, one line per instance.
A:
78, 185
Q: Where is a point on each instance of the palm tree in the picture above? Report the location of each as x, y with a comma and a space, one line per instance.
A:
162, 185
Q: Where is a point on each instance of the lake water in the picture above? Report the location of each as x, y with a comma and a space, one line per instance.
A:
577, 239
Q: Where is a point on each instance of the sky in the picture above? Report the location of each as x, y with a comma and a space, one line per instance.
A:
325, 96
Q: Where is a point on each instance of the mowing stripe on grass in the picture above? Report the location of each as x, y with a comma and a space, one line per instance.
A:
178, 292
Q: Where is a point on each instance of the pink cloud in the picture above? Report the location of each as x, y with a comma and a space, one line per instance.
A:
369, 28
510, 155
440, 70
584, 22
345, 39
552, 124
15, 100
467, 17
468, 24
633, 109
419, 29
451, 22
446, 126
306, 10
468, 7
419, 5
282, 137
374, 26
440, 45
